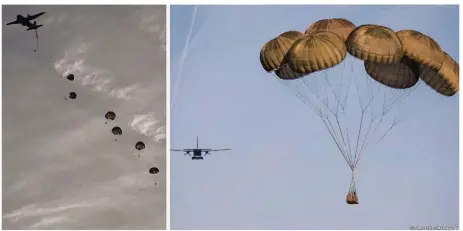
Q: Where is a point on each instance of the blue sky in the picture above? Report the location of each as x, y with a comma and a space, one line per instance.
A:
284, 171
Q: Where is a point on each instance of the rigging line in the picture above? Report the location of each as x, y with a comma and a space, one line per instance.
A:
339, 148
343, 152
36, 40
342, 135
369, 140
365, 139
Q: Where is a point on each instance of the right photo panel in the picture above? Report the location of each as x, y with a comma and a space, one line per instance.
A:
314, 117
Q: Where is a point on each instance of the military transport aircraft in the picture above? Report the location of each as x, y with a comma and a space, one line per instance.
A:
197, 152
25, 21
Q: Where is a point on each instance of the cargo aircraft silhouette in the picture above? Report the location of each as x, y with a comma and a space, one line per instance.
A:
197, 152
25, 21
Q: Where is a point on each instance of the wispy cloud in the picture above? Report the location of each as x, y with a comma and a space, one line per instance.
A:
50, 221
109, 194
149, 25
147, 124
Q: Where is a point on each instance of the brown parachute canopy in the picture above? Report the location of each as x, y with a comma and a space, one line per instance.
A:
375, 43
401, 75
315, 52
274, 51
445, 80
286, 73
339, 26
421, 48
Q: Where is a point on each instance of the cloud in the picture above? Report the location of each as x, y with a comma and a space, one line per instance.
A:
148, 24
50, 221
110, 194
147, 124
126, 93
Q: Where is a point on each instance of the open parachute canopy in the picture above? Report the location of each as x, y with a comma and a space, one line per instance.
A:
72, 95
140, 145
70, 77
110, 115
116, 131
341, 27
391, 65
153, 170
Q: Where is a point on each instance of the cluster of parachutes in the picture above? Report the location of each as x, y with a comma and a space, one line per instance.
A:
72, 95
116, 130
396, 61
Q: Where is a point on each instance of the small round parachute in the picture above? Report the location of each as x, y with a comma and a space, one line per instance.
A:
116, 130
140, 145
421, 48
375, 43
445, 80
153, 170
110, 115
341, 27
72, 95
315, 52
70, 77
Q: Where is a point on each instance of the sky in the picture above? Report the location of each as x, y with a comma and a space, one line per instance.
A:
61, 167
285, 171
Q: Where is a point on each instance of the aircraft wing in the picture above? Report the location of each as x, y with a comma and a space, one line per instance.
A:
181, 150
15, 22
218, 150
32, 17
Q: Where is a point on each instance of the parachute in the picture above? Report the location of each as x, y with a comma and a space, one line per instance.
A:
356, 102
140, 145
445, 81
153, 170
72, 95
70, 77
117, 131
110, 115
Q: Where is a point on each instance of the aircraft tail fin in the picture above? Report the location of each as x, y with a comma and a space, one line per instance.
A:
197, 142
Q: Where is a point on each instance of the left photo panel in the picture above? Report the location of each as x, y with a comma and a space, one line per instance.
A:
84, 117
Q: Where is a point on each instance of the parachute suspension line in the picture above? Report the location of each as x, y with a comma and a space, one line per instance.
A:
362, 110
352, 188
311, 83
36, 40
345, 148
306, 101
343, 153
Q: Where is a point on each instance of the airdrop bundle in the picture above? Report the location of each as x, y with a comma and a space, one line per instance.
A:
393, 61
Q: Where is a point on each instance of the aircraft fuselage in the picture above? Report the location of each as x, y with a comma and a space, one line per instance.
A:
197, 154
